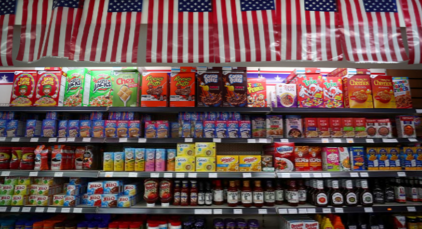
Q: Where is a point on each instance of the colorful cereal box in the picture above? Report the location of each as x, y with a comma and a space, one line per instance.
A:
210, 88
228, 163
209, 129
119, 161
293, 126
393, 154
154, 90
33, 128
310, 90
150, 129
49, 128
100, 93
372, 158
274, 126
185, 164
333, 92
331, 159
139, 159
301, 155
85, 128
205, 149
344, 159
205, 164
74, 94
383, 91
174, 130
122, 128
134, 129
162, 127
286, 95
186, 129
257, 92
311, 128
149, 160
250, 163
383, 161
402, 92
48, 88
186, 149
182, 89
258, 127
220, 129
357, 91
233, 129
315, 158
23, 90
160, 160
245, 129
235, 88
129, 159
62, 132
125, 89
73, 128
357, 157
97, 130
108, 161
110, 128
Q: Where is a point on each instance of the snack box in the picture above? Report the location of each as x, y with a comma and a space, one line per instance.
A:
185, 164
110, 128
160, 160
406, 126
274, 124
3, 126
58, 200
73, 129
210, 88
21, 189
221, 129
76, 91
311, 128
372, 158
122, 128
293, 126
310, 90
257, 92
323, 125
344, 159
232, 129
402, 92
357, 91
258, 127
286, 95
33, 128
134, 129
62, 130
97, 130
108, 161
330, 159
348, 127
150, 129
47, 91
383, 91
383, 161
357, 157
23, 89
182, 89
418, 156
205, 149
85, 128
336, 126
301, 155
250, 163
32, 200
360, 127
129, 159
73, 189
197, 129
245, 129
119, 161
393, 154
205, 164
209, 129
124, 202
139, 159
7, 189
100, 91
185, 149
84, 198
174, 130
15, 128
154, 90
227, 163
125, 89
130, 189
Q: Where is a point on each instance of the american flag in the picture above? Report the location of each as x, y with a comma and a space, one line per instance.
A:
370, 31
179, 31
65, 14
33, 30
308, 30
108, 32
412, 11
246, 31
7, 21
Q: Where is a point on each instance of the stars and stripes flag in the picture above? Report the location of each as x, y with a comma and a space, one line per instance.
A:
7, 21
370, 31
308, 30
179, 31
108, 31
245, 31
65, 14
412, 12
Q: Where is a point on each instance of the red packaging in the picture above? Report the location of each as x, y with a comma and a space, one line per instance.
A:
16, 157
360, 127
155, 90
315, 158
309, 90
257, 92
333, 92
28, 158
48, 88
348, 127
5, 156
302, 158
57, 158
324, 127
311, 128
182, 89
336, 126
23, 90
41, 158
283, 154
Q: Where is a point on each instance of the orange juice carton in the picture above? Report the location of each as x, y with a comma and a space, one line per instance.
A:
331, 159
408, 157
357, 91
73, 129
232, 129
302, 158
162, 128
186, 149
209, 129
150, 129
227, 163
250, 163
23, 90
257, 92
110, 128
383, 91
149, 160
245, 129
139, 159
372, 158
130, 159
333, 92
393, 154
357, 157
182, 89
315, 158
258, 127
274, 124
205, 164
122, 128
310, 90
185, 164
205, 149
220, 129
160, 159
154, 90
344, 158
383, 161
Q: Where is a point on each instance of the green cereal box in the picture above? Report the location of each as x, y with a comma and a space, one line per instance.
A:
100, 91
5, 200
11, 180
75, 94
125, 89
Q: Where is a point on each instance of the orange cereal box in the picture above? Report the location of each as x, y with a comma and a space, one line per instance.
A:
383, 92
250, 163
182, 89
154, 90
23, 89
333, 92
357, 91
228, 163
310, 90
257, 92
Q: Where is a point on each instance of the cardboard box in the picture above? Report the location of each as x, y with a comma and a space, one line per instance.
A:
357, 157
100, 92
357, 91
283, 154
155, 90
301, 158
393, 154
274, 124
77, 85
286, 95
250, 163
315, 158
310, 90
227, 163
257, 92
125, 89
293, 126
182, 89
402, 92
324, 130
205, 164
205, 149
333, 92
48, 88
336, 126
331, 159
406, 126
235, 88
311, 128
383, 91
185, 164
372, 158
209, 88
23, 90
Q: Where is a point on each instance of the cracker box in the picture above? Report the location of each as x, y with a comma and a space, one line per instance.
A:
112, 187
310, 91
48, 88
109, 200
49, 128
348, 127
357, 157
186, 149
383, 161
62, 131
122, 128
257, 92
33, 128
228, 163
383, 91
250, 163
95, 187
185, 164
139, 159
315, 158
258, 127
23, 90
150, 129
323, 125
73, 128
344, 158
286, 95
134, 129
408, 157
85, 128
110, 128
393, 154
274, 124
58, 200
100, 92
402, 92
182, 89
119, 161
331, 159
94, 200
209, 129
154, 90
406, 126
197, 129
209, 88
360, 127
333, 92
232, 129
301, 155
71, 201
205, 164
357, 91
235, 88
245, 129
220, 129
125, 89
372, 158
163, 129
293, 126
108, 161
76, 92
311, 127
97, 130
205, 149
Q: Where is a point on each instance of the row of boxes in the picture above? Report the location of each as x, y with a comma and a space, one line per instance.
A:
223, 163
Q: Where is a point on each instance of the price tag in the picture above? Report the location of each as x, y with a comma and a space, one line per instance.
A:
3, 209
192, 175
2, 139
325, 140
251, 140
77, 210
316, 175
337, 140
354, 175
247, 175
40, 210
303, 211
326, 175
237, 211
133, 174
26, 209
168, 175
368, 210
122, 139
188, 139
413, 140
15, 139
142, 140
180, 175
389, 140
65, 210
86, 139
52, 140
311, 210
15, 209
58, 174
109, 174
70, 139
305, 175
369, 140
418, 111
5, 173
217, 140
262, 211
284, 140
338, 210
282, 211
155, 175
263, 140
34, 140
411, 209
364, 175
33, 174
350, 140
62, 139
326, 210
292, 211
51, 210
212, 175
218, 211
401, 174
283, 175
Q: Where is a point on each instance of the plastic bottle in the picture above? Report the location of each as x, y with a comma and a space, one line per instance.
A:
218, 193
366, 196
320, 197
162, 224
337, 223
258, 194
232, 195
165, 192
151, 192
269, 194
246, 194
201, 194
153, 225
176, 225
176, 198
184, 194
193, 194
208, 194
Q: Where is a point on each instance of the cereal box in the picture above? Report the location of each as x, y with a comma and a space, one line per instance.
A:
257, 92
20, 200
402, 92
383, 128
48, 88
33, 128
393, 154
122, 128
333, 92
311, 127
310, 90
232, 129
220, 129
357, 157
209, 129
112, 187
119, 161
197, 129
372, 158
76, 92
108, 161
134, 129
185, 164
258, 127
383, 161
94, 200
185, 149
344, 158
294, 126
129, 159
109, 200
227, 163
245, 129
97, 130
302, 158
357, 91
125, 89
360, 127
71, 201
182, 89
154, 90
73, 128
186, 129
85, 128
174, 130
162, 127
286, 95
100, 93
205, 149
283, 154
409, 160
15, 128
139, 159
110, 128
150, 129
49, 128
95, 187
348, 127
323, 125
62, 131
383, 91
23, 90
250, 163
149, 160
235, 88
331, 159
315, 158
406, 126
160, 159
205, 164
274, 125
210, 88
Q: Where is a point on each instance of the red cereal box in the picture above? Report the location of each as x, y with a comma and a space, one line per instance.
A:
154, 90
23, 90
302, 158
323, 127
336, 126
48, 88
360, 127
310, 90
315, 158
311, 128
348, 127
182, 89
257, 92
333, 92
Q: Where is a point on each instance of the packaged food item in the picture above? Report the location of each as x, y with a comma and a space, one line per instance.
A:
160, 159
360, 127
7, 189
311, 128
119, 161
409, 160
205, 149
344, 158
323, 125
154, 90
139, 159
205, 164
294, 126
283, 154
95, 187
402, 92
5, 157
315, 158
162, 128
348, 127
357, 91
125, 89
43, 190
174, 130
20, 200
149, 159
357, 157
5, 200
209, 129
129, 159
97, 130
235, 88
16, 158
232, 129
286, 95
73, 128
85, 128
25, 181
32, 200
171, 155
108, 161
134, 129
58, 200
48, 88
57, 158
185, 149
28, 158
33, 128
393, 154
371, 128
257, 92
11, 180
71, 201
186, 129
110, 128
62, 130
185, 164
79, 157
331, 159
274, 125
267, 161
23, 90
258, 127
227, 163
122, 128
333, 92
310, 90
41, 158
77, 81
182, 89
209, 88
384, 129
3, 126
245, 129
418, 156
405, 126
372, 158
301, 158
100, 93
220, 129
250, 163
383, 161
112, 187
383, 91
94, 200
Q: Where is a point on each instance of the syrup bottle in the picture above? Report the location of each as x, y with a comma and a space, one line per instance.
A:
366, 198
258, 194
269, 194
320, 196
246, 194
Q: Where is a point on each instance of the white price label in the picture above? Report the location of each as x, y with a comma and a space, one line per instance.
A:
51, 210
2, 139
39, 209
316, 175
368, 210
192, 175
247, 175
401, 174
77, 210
325, 140
34, 140
364, 175
413, 140
411, 209
338, 210
86, 139
326, 175
188, 139
326, 210
5, 173
33, 174
303, 211
155, 175
142, 140
369, 140
26, 209
52, 140
122, 139
218, 211
305, 175
337, 140
292, 211
389, 140
418, 111
65, 210
70, 139
350, 140
283, 175
133, 174
282, 211
203, 211
263, 140
15, 209
354, 174
212, 175
284, 140
262, 211
3, 209
62, 139
311, 210
180, 175
251, 140
58, 174
109, 174
237, 211
217, 140
168, 175
16, 139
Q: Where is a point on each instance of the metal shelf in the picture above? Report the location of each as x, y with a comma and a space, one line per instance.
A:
49, 209
63, 173
349, 140
347, 111
57, 109
192, 175
191, 109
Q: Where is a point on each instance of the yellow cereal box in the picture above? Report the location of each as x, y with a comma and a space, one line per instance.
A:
184, 149
185, 164
205, 149
250, 163
19, 200
228, 163
205, 164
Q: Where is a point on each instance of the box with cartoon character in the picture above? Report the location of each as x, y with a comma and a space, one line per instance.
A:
235, 87
100, 93
23, 90
76, 91
333, 92
310, 90
154, 90
48, 88
257, 92
209, 87
182, 89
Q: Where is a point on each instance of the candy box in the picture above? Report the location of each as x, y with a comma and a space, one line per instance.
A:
383, 161
250, 163
357, 91
185, 164
302, 158
160, 159
258, 127
235, 88
58, 200
73, 129
129, 159
48, 88
360, 127
43, 200
151, 129
185, 149
21, 189
112, 187
7, 189
124, 202
257, 92
315, 158
125, 89
95, 187
205, 149
348, 127
274, 124
344, 159
6, 200
405, 126
23, 90
331, 159
182, 89
154, 90
209, 88
245, 129
97, 130
33, 128
139, 159
227, 163
293, 126
122, 128
205, 164
357, 157
310, 90
20, 200
130, 189
402, 92
110, 128
311, 127
162, 128
15, 128
134, 129
149, 159
333, 92
94, 200
76, 91
286, 95
372, 158
119, 161
100, 92
393, 154
109, 200
209, 129
62, 130
71, 201
383, 91
85, 128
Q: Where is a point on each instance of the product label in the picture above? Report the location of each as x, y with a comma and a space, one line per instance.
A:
177, 197
246, 197
269, 197
400, 194
337, 198
232, 197
321, 199
279, 195
218, 195
201, 198
193, 197
208, 198
367, 198
258, 197
302, 195
293, 197
351, 198
184, 198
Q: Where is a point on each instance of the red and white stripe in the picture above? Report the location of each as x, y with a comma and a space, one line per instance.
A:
370, 37
6, 39
412, 11
307, 35
177, 37
35, 15
106, 37
244, 36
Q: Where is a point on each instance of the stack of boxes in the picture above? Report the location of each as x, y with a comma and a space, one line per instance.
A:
198, 157
111, 194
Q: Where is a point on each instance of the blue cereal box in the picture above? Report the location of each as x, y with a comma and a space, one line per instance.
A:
209, 129
49, 128
122, 128
110, 128
112, 187
85, 128
357, 156
220, 129
3, 125
245, 129
134, 129
33, 128
198, 129
97, 130
186, 129
109, 200
62, 132
236, 116
73, 129
233, 129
